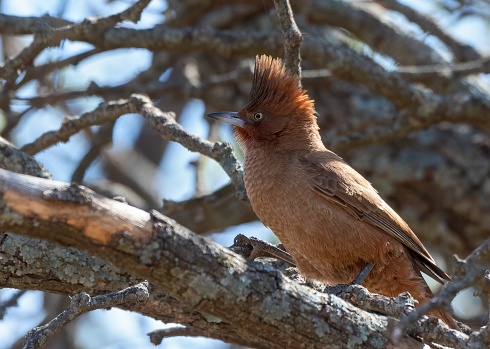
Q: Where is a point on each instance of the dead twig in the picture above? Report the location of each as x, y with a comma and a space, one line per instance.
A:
80, 304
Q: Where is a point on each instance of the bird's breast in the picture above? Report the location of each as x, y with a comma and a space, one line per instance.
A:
274, 189
326, 242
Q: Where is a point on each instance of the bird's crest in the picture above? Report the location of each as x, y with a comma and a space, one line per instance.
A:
274, 87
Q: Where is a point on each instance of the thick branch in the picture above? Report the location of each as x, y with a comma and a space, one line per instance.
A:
199, 273
382, 36
18, 161
28, 25
68, 271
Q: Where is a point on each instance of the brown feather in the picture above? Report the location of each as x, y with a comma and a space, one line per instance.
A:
330, 219
273, 86
339, 183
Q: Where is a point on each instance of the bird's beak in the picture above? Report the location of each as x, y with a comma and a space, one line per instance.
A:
228, 117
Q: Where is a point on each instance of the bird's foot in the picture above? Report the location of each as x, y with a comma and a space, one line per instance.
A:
251, 248
337, 289
341, 288
363, 274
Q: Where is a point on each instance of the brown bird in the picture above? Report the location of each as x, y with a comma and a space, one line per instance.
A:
327, 216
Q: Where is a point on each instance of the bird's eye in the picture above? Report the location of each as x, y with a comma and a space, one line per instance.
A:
258, 116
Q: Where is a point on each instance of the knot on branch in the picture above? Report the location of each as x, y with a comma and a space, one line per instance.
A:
139, 100
141, 292
80, 301
222, 149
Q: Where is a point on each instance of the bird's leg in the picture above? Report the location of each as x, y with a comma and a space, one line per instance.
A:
363, 274
340, 288
252, 248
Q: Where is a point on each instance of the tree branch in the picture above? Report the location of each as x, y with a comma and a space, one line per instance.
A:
48, 37
291, 35
170, 130
40, 71
462, 52
471, 271
80, 304
423, 73
20, 25
104, 113
417, 107
210, 213
156, 337
68, 271
382, 36
18, 161
164, 123
199, 273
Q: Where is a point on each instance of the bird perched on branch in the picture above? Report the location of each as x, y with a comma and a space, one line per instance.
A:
327, 216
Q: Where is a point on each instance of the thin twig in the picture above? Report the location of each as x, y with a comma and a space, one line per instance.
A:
462, 52
156, 337
170, 130
427, 72
49, 37
163, 122
80, 304
101, 139
40, 71
105, 112
475, 265
291, 35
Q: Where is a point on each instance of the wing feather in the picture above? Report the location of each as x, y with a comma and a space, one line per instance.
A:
335, 181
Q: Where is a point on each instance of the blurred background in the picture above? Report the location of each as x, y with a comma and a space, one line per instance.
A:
438, 178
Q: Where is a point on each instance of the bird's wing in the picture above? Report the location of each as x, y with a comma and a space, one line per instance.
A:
335, 181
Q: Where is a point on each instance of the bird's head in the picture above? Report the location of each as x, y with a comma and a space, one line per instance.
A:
278, 112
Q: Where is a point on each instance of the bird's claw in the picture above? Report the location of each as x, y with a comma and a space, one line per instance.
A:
337, 289
252, 248
341, 288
